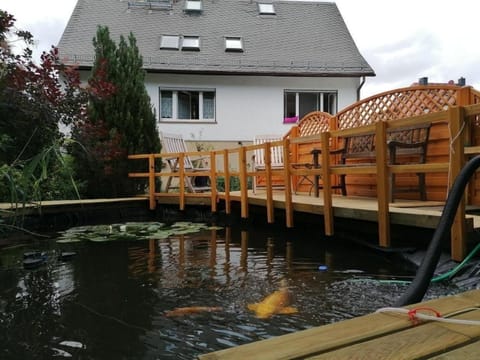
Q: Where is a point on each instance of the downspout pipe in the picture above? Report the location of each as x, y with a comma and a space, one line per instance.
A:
417, 289
360, 88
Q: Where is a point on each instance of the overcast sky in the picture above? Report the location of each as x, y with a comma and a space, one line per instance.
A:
401, 40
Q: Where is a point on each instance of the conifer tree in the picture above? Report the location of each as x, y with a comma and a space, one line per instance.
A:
118, 125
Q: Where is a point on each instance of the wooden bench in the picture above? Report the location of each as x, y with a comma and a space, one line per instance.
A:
406, 145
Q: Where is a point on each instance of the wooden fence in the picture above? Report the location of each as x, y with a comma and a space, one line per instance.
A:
458, 120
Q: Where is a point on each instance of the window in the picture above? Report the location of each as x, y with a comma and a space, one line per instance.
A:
170, 42
266, 9
191, 43
187, 105
151, 4
233, 44
193, 5
299, 103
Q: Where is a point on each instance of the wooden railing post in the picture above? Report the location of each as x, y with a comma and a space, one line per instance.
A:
293, 152
226, 171
213, 181
267, 151
456, 118
327, 184
151, 181
242, 161
181, 180
382, 183
287, 180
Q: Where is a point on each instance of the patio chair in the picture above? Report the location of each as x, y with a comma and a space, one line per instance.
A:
174, 143
258, 159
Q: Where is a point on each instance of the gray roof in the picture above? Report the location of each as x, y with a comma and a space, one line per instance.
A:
302, 38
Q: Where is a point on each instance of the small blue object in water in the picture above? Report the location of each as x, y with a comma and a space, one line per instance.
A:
323, 268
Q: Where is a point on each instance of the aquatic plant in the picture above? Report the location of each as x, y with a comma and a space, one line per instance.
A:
131, 231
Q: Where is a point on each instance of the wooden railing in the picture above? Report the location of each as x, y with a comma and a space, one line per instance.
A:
457, 118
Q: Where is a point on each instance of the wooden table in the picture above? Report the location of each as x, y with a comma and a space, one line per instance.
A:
377, 336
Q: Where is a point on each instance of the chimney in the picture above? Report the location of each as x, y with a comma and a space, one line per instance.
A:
461, 81
423, 81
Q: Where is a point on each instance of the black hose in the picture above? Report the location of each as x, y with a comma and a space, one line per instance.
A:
419, 285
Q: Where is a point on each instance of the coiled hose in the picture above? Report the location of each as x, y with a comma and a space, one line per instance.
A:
417, 289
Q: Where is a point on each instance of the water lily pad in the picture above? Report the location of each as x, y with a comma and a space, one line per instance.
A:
160, 235
130, 231
99, 239
214, 228
68, 240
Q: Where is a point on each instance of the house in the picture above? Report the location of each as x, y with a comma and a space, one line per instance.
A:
226, 70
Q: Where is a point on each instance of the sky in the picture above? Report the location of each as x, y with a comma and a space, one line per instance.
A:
401, 40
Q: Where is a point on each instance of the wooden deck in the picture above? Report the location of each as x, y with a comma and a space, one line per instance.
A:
422, 214
385, 335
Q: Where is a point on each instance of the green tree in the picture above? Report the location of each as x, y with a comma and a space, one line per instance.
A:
34, 99
116, 126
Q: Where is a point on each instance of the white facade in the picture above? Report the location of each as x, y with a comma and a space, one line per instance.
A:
245, 106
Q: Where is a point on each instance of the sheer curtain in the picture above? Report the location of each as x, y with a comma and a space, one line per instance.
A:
166, 104
208, 105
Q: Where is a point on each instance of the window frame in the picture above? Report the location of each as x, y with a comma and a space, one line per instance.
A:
329, 106
175, 116
168, 46
191, 47
267, 9
198, 7
232, 40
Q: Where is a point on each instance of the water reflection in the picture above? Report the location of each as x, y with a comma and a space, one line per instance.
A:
109, 301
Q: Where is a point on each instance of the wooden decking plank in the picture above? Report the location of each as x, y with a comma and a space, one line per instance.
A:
351, 332
312, 341
409, 344
468, 352
414, 343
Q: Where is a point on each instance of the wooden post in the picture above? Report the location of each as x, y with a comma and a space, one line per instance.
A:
287, 180
181, 180
458, 232
226, 171
327, 184
151, 181
268, 180
213, 181
242, 160
464, 97
383, 196
293, 153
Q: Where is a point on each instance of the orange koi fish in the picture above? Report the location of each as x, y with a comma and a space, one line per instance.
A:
190, 310
277, 302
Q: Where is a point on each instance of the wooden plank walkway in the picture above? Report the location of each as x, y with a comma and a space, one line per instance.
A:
377, 336
58, 205
422, 214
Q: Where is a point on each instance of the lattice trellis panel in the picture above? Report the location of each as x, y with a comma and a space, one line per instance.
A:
315, 122
397, 104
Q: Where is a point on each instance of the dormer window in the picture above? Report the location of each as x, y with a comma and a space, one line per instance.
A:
191, 43
170, 42
193, 5
234, 44
266, 9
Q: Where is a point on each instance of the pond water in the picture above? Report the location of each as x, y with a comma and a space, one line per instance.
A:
110, 300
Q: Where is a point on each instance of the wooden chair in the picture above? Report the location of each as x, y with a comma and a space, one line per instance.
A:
174, 143
258, 158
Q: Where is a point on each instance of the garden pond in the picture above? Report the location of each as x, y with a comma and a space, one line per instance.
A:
106, 291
